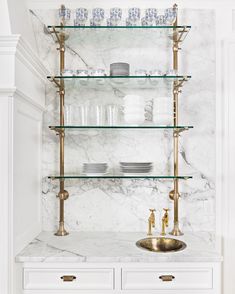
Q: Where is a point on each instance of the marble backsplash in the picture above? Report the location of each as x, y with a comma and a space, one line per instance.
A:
122, 205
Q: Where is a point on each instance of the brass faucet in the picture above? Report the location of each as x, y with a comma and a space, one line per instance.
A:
151, 221
165, 220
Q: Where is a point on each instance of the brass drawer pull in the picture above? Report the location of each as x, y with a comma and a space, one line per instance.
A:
68, 278
167, 278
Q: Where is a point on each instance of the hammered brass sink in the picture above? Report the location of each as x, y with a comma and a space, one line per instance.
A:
161, 244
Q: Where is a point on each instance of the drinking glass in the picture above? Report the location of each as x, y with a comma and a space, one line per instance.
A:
81, 14
98, 15
151, 14
170, 15
68, 115
115, 15
134, 13
80, 115
97, 115
112, 114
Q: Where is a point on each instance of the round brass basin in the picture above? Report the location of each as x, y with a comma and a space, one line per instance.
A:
161, 244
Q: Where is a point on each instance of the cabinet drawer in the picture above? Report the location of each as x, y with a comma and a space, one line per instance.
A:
178, 278
84, 279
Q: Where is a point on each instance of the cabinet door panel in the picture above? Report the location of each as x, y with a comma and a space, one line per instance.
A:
152, 279
84, 279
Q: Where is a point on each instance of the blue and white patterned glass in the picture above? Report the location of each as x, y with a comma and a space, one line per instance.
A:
134, 13
170, 15
115, 14
151, 14
81, 14
64, 14
98, 14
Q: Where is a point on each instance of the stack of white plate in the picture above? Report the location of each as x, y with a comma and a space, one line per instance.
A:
134, 109
95, 168
130, 168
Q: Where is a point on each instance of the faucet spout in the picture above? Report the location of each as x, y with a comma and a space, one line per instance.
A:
165, 221
151, 222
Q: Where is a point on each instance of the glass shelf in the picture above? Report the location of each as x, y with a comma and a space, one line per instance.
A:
118, 27
179, 77
122, 127
120, 177
118, 82
111, 37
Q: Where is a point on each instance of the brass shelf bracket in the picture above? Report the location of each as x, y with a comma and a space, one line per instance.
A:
59, 131
182, 34
56, 82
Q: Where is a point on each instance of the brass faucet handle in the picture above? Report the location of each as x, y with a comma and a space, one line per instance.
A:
166, 209
152, 210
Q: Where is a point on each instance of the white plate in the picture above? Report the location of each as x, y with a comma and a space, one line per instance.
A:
94, 174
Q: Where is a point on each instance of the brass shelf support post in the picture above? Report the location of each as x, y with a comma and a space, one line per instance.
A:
174, 195
63, 194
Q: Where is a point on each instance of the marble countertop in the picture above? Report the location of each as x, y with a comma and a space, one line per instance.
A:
112, 247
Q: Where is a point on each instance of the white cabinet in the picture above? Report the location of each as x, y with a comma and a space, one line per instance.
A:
126, 278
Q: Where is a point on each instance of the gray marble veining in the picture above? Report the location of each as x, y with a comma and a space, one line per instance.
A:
113, 247
122, 205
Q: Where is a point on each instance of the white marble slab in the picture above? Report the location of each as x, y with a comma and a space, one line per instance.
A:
113, 247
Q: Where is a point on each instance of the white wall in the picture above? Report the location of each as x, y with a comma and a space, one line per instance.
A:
15, 20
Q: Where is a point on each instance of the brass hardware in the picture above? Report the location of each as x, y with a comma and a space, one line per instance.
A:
151, 221
172, 195
177, 84
161, 244
63, 195
165, 221
68, 278
167, 278
56, 82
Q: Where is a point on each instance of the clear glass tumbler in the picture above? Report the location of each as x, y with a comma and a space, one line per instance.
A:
112, 114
